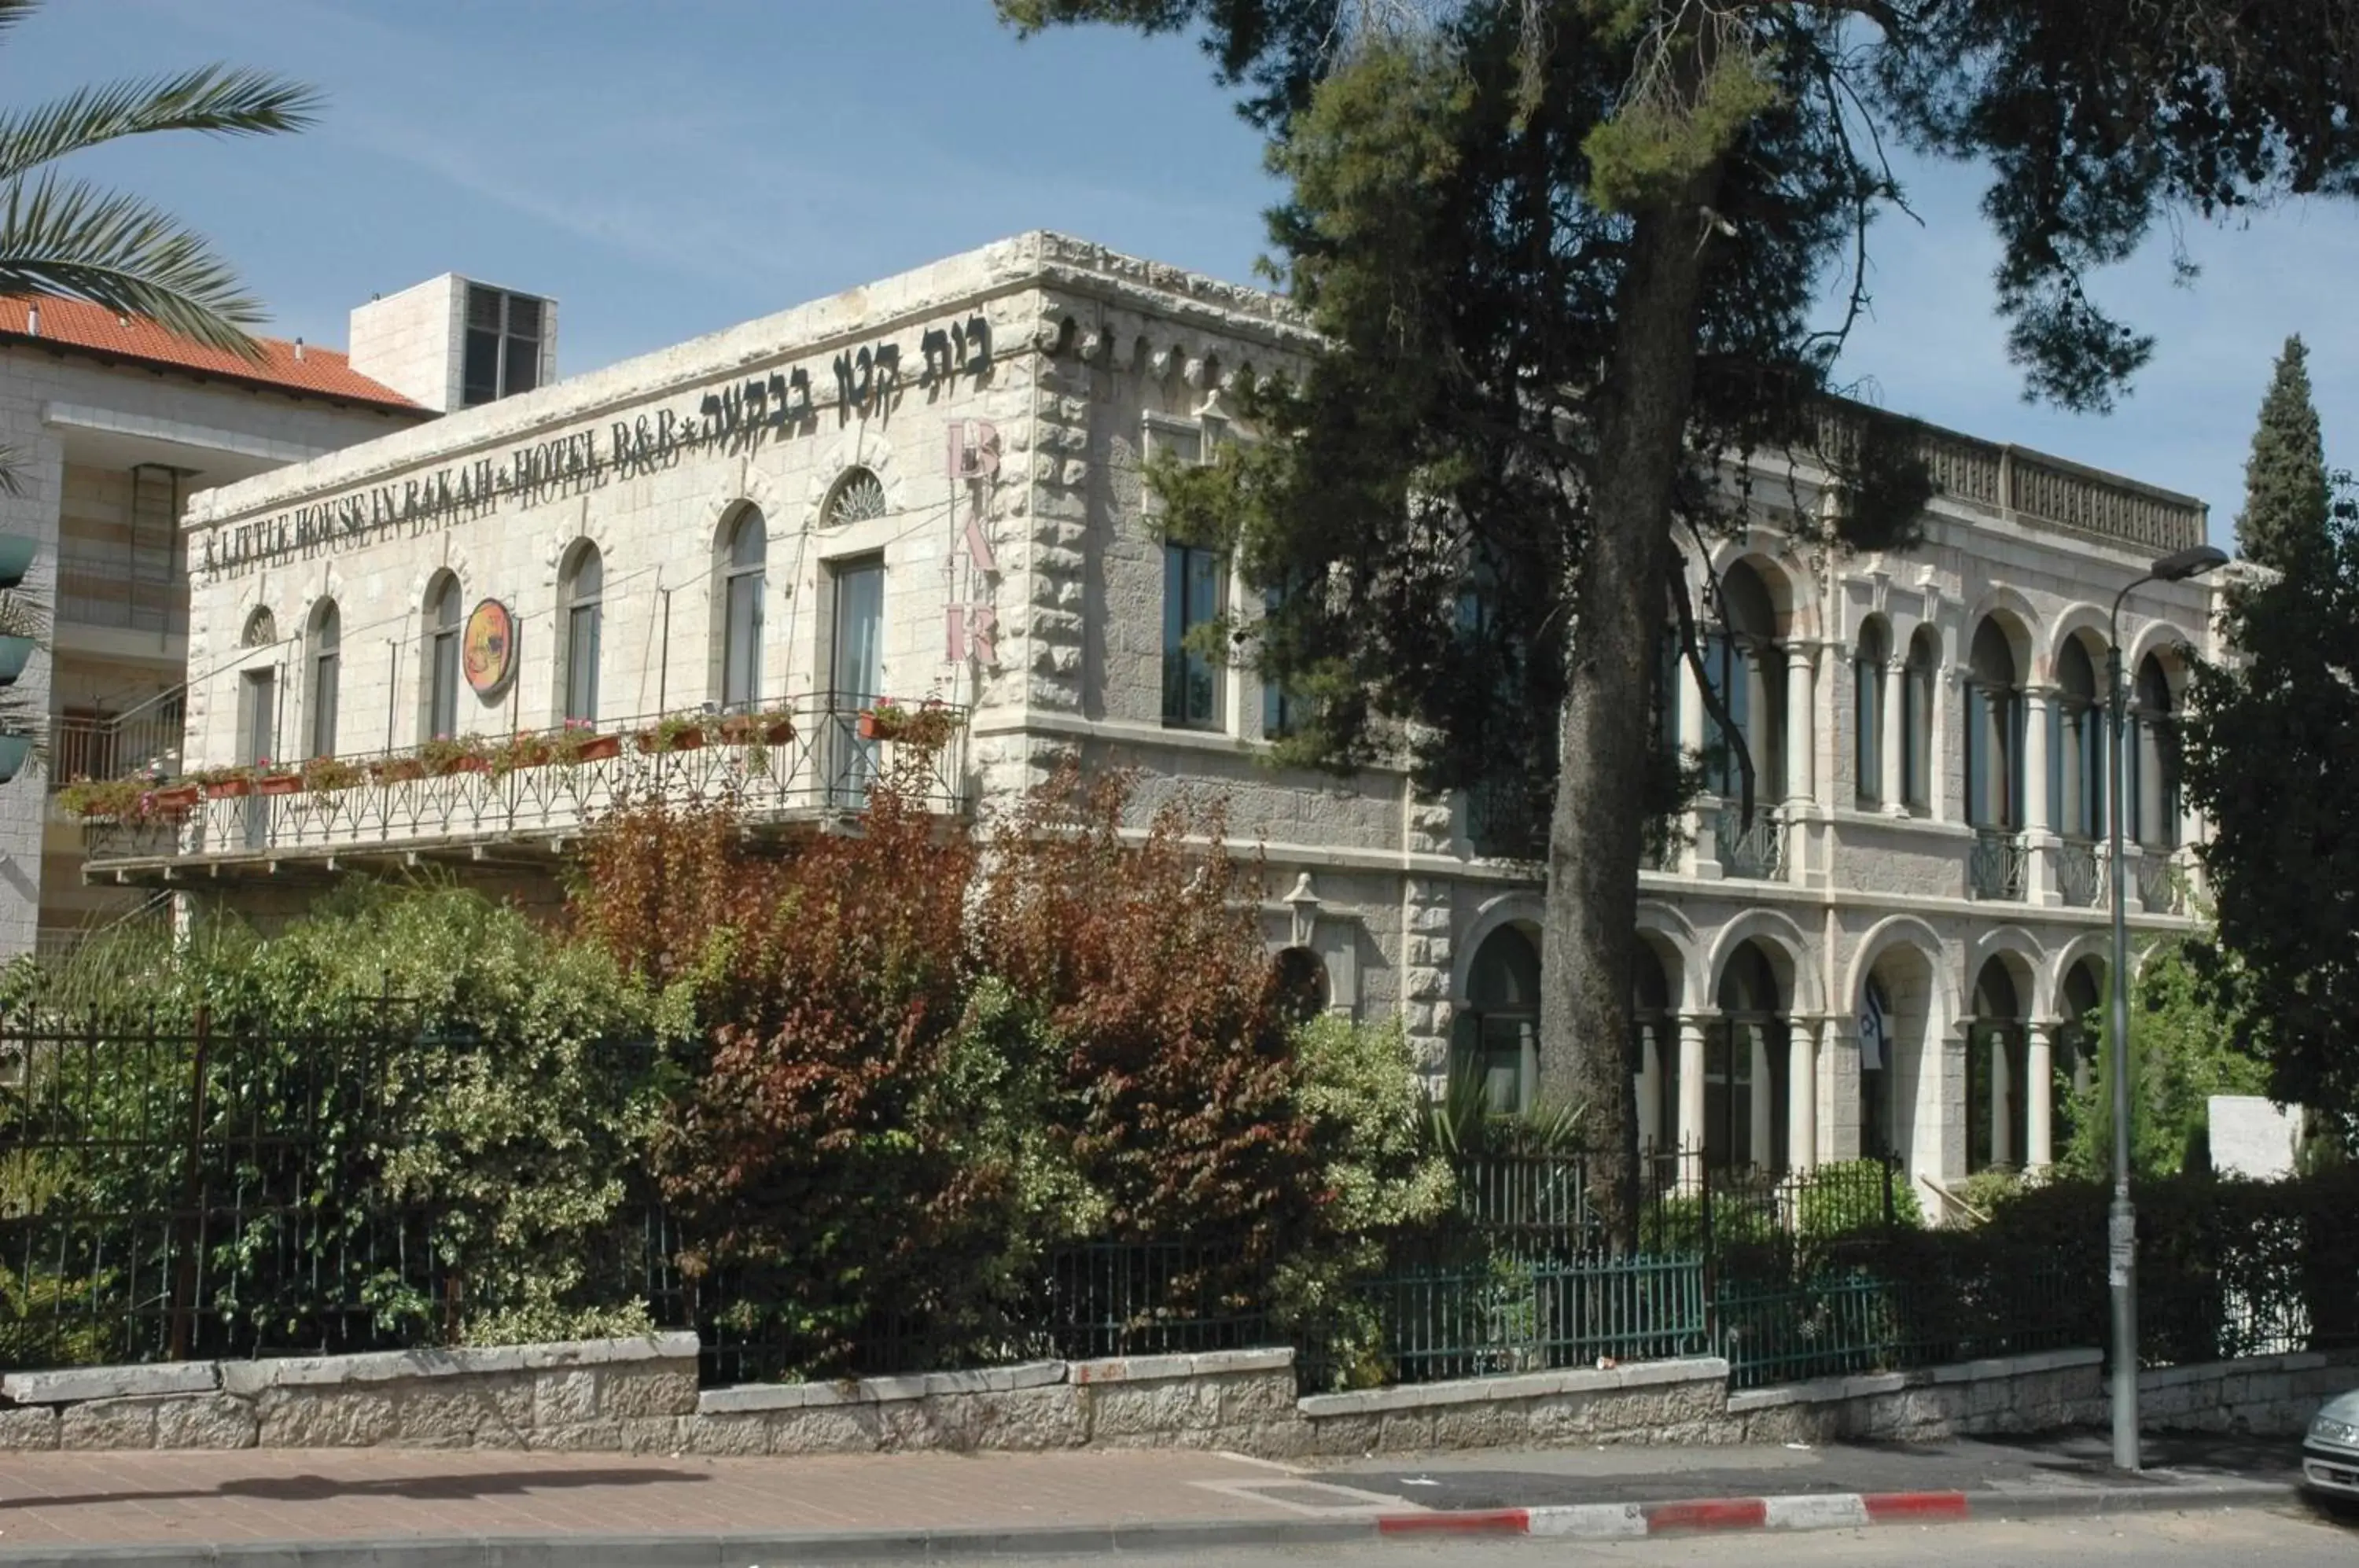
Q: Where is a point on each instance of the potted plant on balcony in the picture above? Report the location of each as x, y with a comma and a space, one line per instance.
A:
532, 749
323, 775
928, 725
226, 783
771, 726
105, 800
674, 732
398, 769
579, 741
444, 756
269, 780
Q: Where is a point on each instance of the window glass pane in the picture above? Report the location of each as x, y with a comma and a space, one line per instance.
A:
323, 704
860, 632
1867, 750
1190, 598
442, 717
741, 680
521, 371
479, 376
581, 663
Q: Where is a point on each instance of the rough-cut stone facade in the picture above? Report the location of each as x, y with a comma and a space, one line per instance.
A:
1092, 362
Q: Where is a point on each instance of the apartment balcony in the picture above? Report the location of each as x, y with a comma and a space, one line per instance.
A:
1755, 853
2081, 874
811, 764
1997, 867
2161, 882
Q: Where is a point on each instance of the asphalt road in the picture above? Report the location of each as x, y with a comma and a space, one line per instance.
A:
2289, 1537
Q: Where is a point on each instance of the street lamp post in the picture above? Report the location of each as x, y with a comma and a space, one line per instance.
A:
2121, 1220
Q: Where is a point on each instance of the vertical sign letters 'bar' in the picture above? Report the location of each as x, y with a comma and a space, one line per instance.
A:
971, 621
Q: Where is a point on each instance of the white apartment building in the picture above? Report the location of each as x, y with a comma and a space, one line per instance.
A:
112, 423
927, 489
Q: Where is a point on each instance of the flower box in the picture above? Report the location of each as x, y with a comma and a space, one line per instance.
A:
600, 748
398, 771
180, 798
229, 789
279, 784
752, 730
655, 742
929, 726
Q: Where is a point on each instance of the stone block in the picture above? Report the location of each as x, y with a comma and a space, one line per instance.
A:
730, 1434
564, 1398
325, 1417
655, 1434
577, 1437
1132, 1409
1405, 1431
75, 1384
109, 1423
1255, 1398
24, 1427
630, 1392
206, 1421
818, 1429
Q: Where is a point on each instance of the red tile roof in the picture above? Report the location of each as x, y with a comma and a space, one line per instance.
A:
74, 324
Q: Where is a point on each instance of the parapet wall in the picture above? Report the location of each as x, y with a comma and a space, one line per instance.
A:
641, 1396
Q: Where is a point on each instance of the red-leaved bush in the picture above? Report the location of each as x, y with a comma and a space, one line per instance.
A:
910, 1069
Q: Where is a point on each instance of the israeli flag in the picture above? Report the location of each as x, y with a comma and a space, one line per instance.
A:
1872, 1037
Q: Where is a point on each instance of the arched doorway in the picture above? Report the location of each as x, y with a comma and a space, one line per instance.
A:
1998, 1042
1744, 1092
1497, 1028
2080, 1037
1895, 1007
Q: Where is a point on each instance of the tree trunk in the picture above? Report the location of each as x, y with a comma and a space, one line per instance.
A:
1590, 943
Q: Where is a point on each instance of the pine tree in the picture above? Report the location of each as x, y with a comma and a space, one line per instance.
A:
2285, 491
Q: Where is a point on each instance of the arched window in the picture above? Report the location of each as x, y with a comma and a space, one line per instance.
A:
858, 496
742, 576
1748, 668
261, 629
2078, 748
1498, 1028
1994, 725
2151, 744
582, 591
444, 618
1998, 1072
1298, 977
1916, 720
1867, 712
327, 672
1744, 1068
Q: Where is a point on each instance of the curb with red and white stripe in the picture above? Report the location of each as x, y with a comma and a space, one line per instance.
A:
1818, 1510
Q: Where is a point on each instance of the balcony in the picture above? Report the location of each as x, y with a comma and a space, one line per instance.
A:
2161, 883
1996, 866
146, 739
2081, 874
814, 765
1756, 853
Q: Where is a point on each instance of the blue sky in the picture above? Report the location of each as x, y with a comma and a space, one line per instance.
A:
667, 170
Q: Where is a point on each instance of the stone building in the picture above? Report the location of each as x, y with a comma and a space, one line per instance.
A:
928, 490
112, 422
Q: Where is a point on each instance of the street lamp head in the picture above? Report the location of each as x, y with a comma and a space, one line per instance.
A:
2194, 561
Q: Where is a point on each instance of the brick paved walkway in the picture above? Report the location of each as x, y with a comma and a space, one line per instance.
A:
52, 1499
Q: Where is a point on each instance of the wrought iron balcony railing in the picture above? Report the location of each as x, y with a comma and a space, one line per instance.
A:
1997, 864
1756, 854
2161, 883
816, 762
2080, 873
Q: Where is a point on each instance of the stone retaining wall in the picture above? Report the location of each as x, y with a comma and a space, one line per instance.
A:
641, 1394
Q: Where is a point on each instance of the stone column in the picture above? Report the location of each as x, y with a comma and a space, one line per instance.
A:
1837, 1089
1801, 1092
2039, 1105
1691, 1137
1650, 1088
1893, 736
1764, 1122
1801, 727
2001, 1125
1692, 729
2038, 811
2039, 803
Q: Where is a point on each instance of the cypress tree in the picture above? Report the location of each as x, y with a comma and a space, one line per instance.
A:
2285, 491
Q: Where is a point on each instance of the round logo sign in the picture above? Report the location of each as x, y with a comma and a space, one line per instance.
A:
488, 647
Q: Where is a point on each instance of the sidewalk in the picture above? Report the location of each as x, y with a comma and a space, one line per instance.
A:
335, 1507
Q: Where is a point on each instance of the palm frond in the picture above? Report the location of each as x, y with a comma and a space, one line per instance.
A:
216, 99
12, 463
14, 11
72, 238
